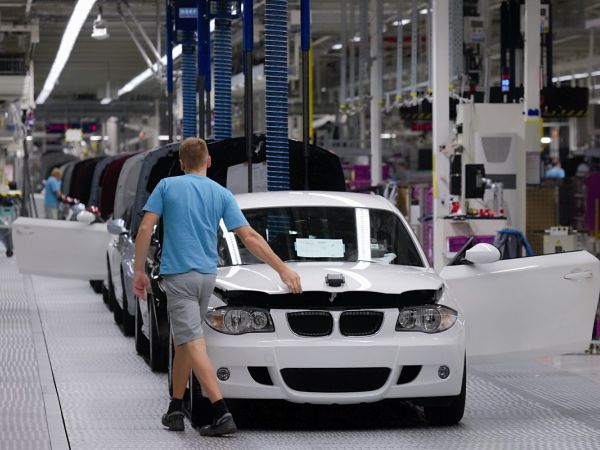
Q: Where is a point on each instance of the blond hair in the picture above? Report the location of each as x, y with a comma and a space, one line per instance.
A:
194, 153
56, 173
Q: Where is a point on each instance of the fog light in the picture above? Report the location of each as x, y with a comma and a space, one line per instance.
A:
223, 374
443, 372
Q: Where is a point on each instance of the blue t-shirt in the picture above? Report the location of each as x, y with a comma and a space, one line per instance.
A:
191, 207
555, 172
50, 193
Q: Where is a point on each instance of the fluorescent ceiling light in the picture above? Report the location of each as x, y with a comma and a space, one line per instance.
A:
80, 14
95, 138
146, 74
575, 76
356, 39
163, 137
388, 135
337, 47
404, 22
546, 140
424, 11
105, 101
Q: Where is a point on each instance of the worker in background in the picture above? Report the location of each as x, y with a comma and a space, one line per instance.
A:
556, 171
52, 194
191, 206
400, 174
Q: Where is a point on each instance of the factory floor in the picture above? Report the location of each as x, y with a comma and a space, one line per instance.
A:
70, 379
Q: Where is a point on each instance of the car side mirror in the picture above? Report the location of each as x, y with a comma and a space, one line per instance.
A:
85, 217
116, 226
483, 254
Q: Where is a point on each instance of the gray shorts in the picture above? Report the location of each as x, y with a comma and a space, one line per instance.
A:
188, 295
51, 213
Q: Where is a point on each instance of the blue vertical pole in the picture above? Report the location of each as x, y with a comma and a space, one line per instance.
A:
169, 49
222, 49
277, 95
248, 19
200, 76
206, 64
305, 44
188, 83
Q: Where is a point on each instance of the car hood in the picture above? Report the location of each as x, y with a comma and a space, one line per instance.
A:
359, 276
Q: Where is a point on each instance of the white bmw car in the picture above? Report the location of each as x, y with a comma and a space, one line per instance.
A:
374, 322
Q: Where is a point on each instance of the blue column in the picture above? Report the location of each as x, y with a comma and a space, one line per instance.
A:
277, 96
188, 83
222, 69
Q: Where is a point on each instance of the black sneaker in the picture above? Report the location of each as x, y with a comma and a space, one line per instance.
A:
173, 421
225, 425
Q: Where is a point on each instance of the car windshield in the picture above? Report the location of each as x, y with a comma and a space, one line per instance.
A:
324, 234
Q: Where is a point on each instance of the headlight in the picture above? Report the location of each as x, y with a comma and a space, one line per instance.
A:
426, 318
240, 320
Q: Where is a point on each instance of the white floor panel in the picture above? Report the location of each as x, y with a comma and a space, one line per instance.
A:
111, 400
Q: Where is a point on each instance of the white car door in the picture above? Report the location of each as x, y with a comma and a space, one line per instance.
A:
59, 248
541, 305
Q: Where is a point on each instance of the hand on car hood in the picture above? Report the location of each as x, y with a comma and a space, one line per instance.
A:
359, 276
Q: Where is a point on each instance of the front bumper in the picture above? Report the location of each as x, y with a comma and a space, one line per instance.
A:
386, 349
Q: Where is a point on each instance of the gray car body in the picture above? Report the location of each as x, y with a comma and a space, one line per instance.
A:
130, 197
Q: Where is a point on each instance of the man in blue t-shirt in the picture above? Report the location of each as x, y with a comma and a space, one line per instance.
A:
556, 171
192, 206
52, 194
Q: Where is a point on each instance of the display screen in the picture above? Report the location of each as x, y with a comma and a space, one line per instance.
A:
187, 13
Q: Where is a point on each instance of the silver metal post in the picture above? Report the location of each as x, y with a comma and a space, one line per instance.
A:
441, 124
376, 89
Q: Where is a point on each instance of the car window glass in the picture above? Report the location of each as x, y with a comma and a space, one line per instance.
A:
325, 234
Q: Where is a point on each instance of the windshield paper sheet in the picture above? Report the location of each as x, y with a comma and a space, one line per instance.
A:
320, 248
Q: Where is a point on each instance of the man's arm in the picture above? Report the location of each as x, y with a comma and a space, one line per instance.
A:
255, 243
141, 283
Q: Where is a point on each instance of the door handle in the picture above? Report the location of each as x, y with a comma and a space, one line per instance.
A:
578, 275
24, 231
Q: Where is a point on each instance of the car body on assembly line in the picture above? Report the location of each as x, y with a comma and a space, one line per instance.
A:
137, 178
374, 321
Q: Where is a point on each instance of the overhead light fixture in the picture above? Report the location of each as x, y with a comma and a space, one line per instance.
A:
146, 74
139, 79
424, 11
99, 30
546, 140
76, 21
105, 101
337, 47
95, 138
575, 76
29, 138
163, 137
356, 39
404, 22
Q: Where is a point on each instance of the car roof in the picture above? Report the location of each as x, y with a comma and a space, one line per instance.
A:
279, 199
